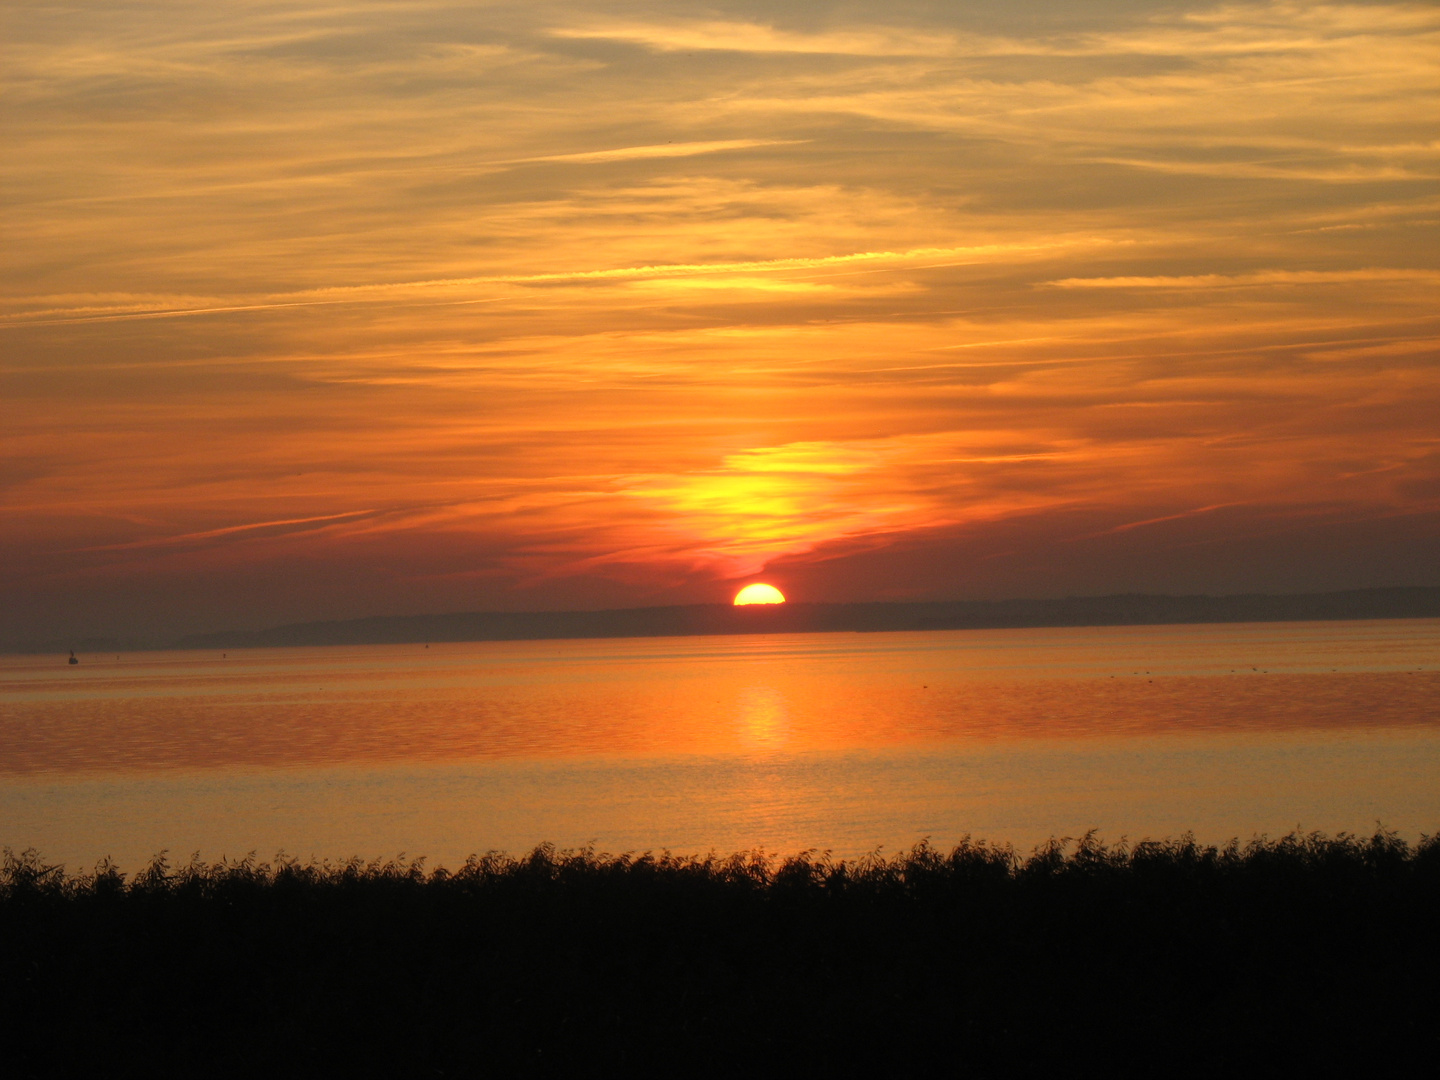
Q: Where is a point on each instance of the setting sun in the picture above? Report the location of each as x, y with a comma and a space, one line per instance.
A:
759, 594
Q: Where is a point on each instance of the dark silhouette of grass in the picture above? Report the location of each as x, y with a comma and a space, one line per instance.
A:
1308, 953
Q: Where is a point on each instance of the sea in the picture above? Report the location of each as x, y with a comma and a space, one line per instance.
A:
841, 742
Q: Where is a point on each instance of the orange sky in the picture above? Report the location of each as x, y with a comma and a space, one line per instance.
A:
316, 311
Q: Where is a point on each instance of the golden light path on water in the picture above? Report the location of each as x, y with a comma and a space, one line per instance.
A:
786, 742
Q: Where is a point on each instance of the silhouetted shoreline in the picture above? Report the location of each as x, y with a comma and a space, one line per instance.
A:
700, 619
1168, 958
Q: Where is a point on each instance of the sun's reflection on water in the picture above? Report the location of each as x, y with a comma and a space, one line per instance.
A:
763, 719
776, 741
752, 696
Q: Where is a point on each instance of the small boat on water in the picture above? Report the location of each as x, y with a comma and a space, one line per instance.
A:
73, 658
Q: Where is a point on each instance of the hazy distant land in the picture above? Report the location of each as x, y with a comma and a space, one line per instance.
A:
695, 619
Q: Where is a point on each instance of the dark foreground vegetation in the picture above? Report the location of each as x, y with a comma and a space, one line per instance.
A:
1303, 955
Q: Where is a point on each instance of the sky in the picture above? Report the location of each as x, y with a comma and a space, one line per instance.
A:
315, 311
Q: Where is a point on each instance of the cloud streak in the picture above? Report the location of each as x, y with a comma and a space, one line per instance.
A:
659, 150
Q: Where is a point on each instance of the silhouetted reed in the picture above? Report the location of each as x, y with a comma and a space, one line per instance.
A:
1162, 957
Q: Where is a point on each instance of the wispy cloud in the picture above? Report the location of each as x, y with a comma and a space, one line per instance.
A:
1255, 278
733, 275
659, 150
722, 36
285, 525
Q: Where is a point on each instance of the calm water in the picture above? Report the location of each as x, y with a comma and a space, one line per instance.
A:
840, 741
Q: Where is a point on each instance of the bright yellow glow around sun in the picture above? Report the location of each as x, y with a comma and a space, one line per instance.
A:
759, 594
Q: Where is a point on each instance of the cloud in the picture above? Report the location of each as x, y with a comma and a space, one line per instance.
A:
760, 38
270, 528
716, 275
1256, 278
1242, 170
660, 150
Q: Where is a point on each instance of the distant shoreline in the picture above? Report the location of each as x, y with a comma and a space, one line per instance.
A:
715, 619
